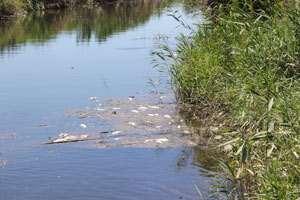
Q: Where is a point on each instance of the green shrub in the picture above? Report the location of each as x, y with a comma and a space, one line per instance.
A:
10, 7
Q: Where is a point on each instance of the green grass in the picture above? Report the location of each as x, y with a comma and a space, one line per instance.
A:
243, 65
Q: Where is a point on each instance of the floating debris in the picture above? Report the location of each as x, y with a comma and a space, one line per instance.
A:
214, 129
147, 123
187, 132
93, 98
43, 126
134, 122
84, 116
83, 126
228, 147
218, 137
3, 163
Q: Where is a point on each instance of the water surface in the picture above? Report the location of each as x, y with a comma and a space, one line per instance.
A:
54, 61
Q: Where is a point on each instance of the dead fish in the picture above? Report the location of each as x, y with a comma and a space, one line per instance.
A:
116, 133
154, 107
93, 98
42, 125
83, 126
84, 136
132, 123
131, 98
63, 135
142, 108
134, 111
103, 132
161, 140
167, 116
69, 138
84, 116
151, 115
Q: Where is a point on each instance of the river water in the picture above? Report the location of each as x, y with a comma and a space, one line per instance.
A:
55, 61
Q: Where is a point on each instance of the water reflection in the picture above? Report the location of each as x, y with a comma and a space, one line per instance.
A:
98, 23
203, 157
37, 83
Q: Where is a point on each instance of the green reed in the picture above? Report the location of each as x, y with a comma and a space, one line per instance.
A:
244, 65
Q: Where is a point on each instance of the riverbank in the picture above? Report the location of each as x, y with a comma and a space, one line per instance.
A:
19, 7
241, 70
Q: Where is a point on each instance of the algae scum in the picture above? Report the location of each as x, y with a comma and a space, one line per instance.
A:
77, 120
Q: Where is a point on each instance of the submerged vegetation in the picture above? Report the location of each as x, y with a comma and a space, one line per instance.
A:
242, 69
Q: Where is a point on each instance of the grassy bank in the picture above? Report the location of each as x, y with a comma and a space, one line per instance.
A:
242, 69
